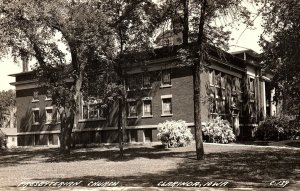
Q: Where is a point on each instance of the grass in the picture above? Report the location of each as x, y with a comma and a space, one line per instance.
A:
147, 165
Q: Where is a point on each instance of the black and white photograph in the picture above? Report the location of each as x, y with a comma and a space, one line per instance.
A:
150, 95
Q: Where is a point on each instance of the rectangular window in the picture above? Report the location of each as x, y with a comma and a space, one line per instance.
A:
252, 89
132, 109
35, 96
93, 109
147, 108
35, 115
211, 77
217, 79
167, 106
166, 78
49, 113
48, 95
146, 81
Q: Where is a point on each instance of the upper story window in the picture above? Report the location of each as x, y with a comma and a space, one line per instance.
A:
35, 116
35, 96
167, 105
146, 81
48, 95
49, 114
147, 107
132, 108
166, 78
93, 109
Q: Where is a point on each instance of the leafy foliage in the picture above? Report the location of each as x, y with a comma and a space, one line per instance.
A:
278, 128
7, 103
2, 141
281, 43
174, 133
218, 131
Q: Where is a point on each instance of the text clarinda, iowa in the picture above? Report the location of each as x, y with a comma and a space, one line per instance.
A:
193, 184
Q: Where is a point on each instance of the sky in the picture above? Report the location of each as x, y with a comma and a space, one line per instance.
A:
243, 38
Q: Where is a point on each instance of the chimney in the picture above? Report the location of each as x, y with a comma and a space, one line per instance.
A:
25, 60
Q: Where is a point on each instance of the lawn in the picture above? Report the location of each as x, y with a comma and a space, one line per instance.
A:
147, 165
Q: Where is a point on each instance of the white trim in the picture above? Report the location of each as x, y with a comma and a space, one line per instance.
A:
146, 98
131, 100
165, 86
38, 132
166, 115
35, 100
97, 129
147, 116
266, 78
166, 96
49, 107
35, 109
97, 119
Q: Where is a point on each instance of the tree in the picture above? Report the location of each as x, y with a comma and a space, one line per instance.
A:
96, 33
29, 29
7, 109
199, 24
281, 42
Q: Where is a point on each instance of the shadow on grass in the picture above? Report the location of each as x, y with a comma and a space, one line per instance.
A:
241, 168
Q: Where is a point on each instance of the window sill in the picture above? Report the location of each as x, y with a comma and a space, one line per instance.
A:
86, 120
147, 116
36, 124
166, 115
133, 117
35, 100
52, 123
48, 99
165, 86
146, 88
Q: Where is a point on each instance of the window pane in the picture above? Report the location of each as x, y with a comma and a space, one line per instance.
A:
146, 80
36, 116
85, 112
147, 107
132, 109
167, 106
93, 111
166, 77
35, 95
48, 115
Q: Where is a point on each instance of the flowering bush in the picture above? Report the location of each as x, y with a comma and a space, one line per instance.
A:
174, 133
218, 131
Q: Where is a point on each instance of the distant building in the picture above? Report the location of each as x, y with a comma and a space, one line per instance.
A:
10, 135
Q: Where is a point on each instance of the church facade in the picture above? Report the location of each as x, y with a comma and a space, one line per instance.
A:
234, 86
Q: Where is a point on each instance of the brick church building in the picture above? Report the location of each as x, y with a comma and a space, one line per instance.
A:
234, 86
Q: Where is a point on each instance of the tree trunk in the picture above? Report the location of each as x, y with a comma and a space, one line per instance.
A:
197, 85
197, 111
120, 127
67, 122
185, 31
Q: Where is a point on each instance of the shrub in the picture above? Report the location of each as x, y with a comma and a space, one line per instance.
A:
278, 128
2, 141
218, 131
174, 133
